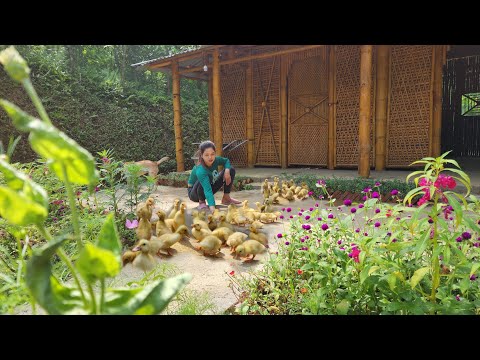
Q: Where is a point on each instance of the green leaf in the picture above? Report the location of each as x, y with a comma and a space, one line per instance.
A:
392, 280
418, 276
422, 244
95, 263
39, 278
19, 209
19, 181
411, 194
475, 267
149, 300
471, 223
343, 306
54, 145
108, 236
373, 269
370, 202
446, 254
456, 207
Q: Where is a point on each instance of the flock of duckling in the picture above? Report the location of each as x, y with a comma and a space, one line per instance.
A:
211, 231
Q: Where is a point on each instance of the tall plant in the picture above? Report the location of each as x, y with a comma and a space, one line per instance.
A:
72, 164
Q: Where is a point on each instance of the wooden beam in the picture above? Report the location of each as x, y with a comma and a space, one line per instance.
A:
364, 121
249, 110
437, 101
381, 106
217, 105
211, 124
177, 118
331, 107
283, 111
255, 57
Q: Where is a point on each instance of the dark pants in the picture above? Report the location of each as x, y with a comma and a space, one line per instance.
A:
196, 192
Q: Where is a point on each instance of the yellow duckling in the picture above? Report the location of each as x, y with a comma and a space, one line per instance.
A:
145, 260
236, 239
199, 233
144, 229
210, 245
257, 235
161, 227
145, 210
222, 233
212, 223
179, 218
250, 247
175, 208
165, 241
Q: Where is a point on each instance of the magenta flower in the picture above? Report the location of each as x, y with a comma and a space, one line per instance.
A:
367, 189
287, 243
375, 195
459, 239
357, 230
289, 209
281, 216
394, 240
291, 216
300, 214
360, 206
105, 160
377, 184
283, 209
353, 210
377, 224
319, 219
311, 209
316, 205
347, 202
355, 254
131, 224
324, 227
330, 216
306, 226
364, 198
339, 242
466, 235
473, 277
310, 193
279, 236
307, 217
377, 211
394, 192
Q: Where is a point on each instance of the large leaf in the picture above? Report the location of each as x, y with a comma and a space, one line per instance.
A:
343, 306
418, 276
149, 300
17, 180
95, 263
54, 145
108, 236
48, 293
392, 280
422, 244
14, 64
19, 209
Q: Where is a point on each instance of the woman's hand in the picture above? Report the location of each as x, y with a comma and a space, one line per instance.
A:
226, 177
212, 209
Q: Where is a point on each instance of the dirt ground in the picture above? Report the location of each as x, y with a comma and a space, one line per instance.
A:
209, 274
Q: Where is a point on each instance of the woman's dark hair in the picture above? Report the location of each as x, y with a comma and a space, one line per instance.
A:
201, 149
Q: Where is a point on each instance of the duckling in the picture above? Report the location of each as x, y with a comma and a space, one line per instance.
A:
210, 245
266, 189
165, 241
212, 223
223, 223
199, 218
161, 227
222, 233
268, 206
257, 235
145, 260
236, 239
297, 190
260, 207
145, 210
257, 224
250, 247
289, 195
217, 213
144, 229
179, 218
302, 194
199, 233
175, 208
268, 217
128, 257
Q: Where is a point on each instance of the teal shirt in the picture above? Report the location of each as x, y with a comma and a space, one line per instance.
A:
207, 176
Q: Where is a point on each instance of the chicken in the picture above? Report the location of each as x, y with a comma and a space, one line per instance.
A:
144, 260
210, 245
236, 239
250, 247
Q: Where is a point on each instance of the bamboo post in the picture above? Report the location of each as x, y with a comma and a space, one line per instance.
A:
381, 106
331, 107
437, 101
177, 117
217, 105
283, 111
364, 122
211, 124
249, 104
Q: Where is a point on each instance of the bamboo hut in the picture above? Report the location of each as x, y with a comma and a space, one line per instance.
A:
335, 106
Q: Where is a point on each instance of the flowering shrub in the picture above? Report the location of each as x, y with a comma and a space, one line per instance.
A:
377, 258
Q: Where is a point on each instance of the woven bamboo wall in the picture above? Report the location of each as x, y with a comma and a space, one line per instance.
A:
409, 99
266, 108
308, 109
232, 85
348, 105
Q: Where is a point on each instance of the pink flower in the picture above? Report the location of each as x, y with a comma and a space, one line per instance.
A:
355, 254
232, 272
131, 224
299, 272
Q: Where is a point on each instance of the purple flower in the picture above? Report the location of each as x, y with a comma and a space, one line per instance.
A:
105, 160
377, 184
389, 233
279, 236
319, 219
466, 235
347, 202
311, 209
302, 210
394, 240
459, 239
283, 209
353, 210
306, 226
430, 221
394, 192
342, 248
289, 209
366, 234
377, 224
339, 242
377, 211
360, 206
300, 214
375, 195
302, 240
281, 216
310, 193
324, 227
473, 277
330, 216
364, 198
316, 205
367, 189
357, 230
397, 218
457, 297
131, 224
307, 217
287, 243
291, 216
